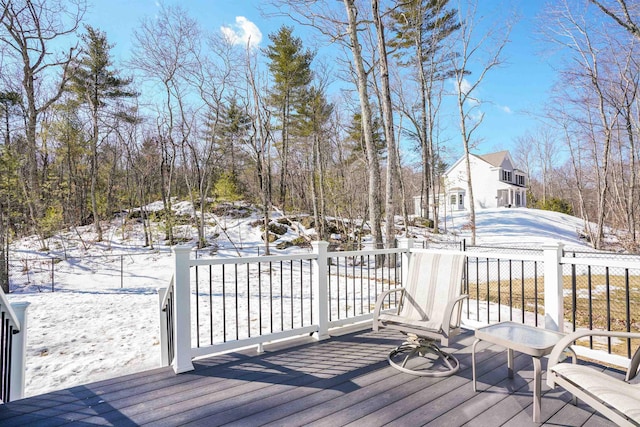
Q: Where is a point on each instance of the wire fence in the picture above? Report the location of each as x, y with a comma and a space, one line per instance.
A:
125, 270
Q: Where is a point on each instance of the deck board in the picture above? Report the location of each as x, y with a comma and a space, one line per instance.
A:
345, 380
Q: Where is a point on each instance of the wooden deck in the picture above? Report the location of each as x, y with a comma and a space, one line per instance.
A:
342, 381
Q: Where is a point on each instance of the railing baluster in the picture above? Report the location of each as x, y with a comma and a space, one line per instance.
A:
369, 282
362, 285
522, 281
311, 296
237, 314
197, 308
353, 283
224, 305
211, 304
259, 298
281, 296
510, 290
291, 286
535, 292
590, 304
477, 289
301, 297
329, 283
375, 276
338, 287
574, 296
488, 292
346, 290
248, 303
627, 291
606, 278
499, 300
9, 350
271, 295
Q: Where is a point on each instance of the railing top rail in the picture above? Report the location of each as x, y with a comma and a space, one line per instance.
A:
366, 252
6, 307
599, 254
601, 262
252, 259
505, 256
503, 248
440, 251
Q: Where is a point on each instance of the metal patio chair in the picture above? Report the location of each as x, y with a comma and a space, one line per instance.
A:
428, 310
616, 398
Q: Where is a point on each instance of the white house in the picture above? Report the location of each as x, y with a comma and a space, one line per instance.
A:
496, 183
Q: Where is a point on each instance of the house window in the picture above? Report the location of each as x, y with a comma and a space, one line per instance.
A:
506, 176
520, 180
453, 199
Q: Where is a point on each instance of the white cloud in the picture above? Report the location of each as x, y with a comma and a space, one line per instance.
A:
465, 87
243, 32
506, 109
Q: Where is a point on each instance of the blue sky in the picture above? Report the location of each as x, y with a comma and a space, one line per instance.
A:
510, 94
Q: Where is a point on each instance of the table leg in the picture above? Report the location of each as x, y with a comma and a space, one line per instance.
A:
537, 388
510, 362
473, 363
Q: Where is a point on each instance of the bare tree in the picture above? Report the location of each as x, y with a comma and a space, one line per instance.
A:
625, 99
621, 13
30, 28
163, 52
481, 53
373, 161
589, 99
212, 78
261, 140
389, 132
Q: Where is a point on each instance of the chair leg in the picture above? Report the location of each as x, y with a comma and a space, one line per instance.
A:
422, 347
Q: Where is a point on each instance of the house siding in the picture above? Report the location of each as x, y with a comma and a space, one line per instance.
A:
490, 190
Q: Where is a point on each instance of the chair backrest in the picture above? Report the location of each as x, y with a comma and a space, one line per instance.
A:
433, 280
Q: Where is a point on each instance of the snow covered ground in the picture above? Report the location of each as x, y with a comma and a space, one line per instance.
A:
100, 323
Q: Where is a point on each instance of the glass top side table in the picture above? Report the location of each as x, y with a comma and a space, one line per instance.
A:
536, 342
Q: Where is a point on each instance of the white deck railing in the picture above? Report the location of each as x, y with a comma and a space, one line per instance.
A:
13, 342
223, 304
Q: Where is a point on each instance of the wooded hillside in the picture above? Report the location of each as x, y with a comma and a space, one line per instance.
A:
194, 116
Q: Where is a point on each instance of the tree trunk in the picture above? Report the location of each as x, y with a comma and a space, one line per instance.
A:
389, 133
94, 175
373, 164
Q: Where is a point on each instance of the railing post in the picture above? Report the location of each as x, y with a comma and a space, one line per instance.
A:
182, 310
320, 288
407, 244
553, 294
164, 350
18, 353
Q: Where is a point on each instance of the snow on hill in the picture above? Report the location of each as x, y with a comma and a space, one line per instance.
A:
519, 227
100, 323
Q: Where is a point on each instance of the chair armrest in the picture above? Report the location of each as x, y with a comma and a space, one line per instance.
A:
380, 304
569, 340
448, 314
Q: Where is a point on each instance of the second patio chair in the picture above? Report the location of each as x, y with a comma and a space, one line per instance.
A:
428, 310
